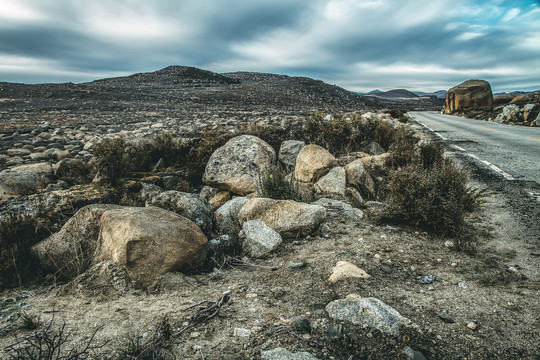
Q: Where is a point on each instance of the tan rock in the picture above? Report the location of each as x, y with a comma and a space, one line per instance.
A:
359, 177
313, 162
220, 199
289, 218
346, 270
468, 95
332, 183
150, 242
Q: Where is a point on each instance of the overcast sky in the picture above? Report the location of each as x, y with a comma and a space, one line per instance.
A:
360, 45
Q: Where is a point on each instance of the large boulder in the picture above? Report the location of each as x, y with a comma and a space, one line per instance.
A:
192, 206
313, 162
70, 251
470, 94
150, 242
370, 312
289, 218
259, 240
359, 177
237, 165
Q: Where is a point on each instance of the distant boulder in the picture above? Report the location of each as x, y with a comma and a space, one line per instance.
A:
468, 95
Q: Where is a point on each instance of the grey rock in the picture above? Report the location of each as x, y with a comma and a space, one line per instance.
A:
18, 152
375, 149
44, 170
413, 354
289, 150
259, 240
60, 185
189, 205
371, 312
72, 248
289, 218
17, 183
282, 354
510, 113
208, 192
237, 165
227, 217
334, 182
339, 208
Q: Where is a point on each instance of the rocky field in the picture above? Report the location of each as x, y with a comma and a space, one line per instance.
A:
192, 215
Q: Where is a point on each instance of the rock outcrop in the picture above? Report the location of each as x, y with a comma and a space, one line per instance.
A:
467, 95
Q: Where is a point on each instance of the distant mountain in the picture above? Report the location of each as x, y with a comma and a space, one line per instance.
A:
396, 94
440, 93
513, 93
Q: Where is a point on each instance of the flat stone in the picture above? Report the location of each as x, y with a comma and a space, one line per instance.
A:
346, 270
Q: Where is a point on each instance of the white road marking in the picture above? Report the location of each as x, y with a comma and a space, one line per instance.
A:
493, 167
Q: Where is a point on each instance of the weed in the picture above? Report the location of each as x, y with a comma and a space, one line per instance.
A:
402, 149
274, 183
28, 322
155, 346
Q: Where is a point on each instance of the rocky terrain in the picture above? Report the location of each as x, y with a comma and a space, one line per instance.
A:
155, 262
474, 99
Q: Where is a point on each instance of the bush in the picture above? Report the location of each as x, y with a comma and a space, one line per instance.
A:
274, 184
109, 160
435, 198
142, 156
17, 235
402, 149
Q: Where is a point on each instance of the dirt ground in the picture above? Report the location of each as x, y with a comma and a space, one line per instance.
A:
480, 306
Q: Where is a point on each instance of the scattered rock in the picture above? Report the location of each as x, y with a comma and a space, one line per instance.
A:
17, 183
339, 208
259, 240
375, 149
227, 217
413, 354
444, 316
510, 113
472, 325
367, 311
236, 166
219, 199
346, 270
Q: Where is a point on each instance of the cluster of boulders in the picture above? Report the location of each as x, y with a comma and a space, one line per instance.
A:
474, 98
178, 230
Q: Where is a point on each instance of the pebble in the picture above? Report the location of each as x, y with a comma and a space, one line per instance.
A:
242, 332
472, 325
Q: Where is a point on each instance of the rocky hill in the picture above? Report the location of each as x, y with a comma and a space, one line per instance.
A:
396, 94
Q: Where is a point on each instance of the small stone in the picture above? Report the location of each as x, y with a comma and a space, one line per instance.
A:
242, 332
413, 354
344, 269
463, 285
335, 332
448, 244
472, 325
426, 279
444, 316
296, 265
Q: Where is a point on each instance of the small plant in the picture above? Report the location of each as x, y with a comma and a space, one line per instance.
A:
109, 160
155, 346
402, 149
274, 184
28, 322
53, 343
431, 154
435, 199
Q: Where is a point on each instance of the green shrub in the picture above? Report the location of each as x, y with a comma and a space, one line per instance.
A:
435, 198
109, 160
430, 154
274, 184
143, 155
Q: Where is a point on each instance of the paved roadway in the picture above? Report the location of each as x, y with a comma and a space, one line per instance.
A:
510, 150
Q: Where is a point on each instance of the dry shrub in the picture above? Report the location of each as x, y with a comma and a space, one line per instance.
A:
109, 159
435, 198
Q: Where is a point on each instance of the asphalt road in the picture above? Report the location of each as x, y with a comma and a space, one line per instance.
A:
510, 151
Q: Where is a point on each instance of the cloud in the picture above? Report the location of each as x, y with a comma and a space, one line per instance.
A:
356, 44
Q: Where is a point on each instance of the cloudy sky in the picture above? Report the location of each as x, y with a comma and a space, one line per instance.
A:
360, 45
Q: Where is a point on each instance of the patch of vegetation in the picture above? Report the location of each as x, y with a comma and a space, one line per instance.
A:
109, 160
143, 155
155, 346
402, 149
431, 194
275, 184
18, 233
